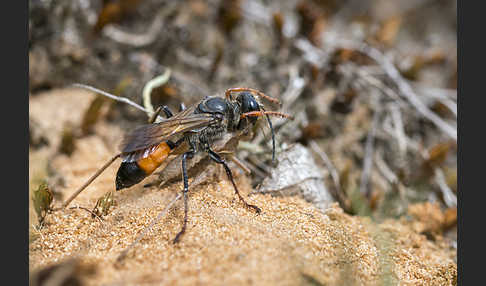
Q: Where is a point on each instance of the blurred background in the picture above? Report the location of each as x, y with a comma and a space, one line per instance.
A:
371, 84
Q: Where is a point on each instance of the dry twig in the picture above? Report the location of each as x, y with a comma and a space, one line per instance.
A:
329, 165
449, 198
368, 159
114, 97
333, 171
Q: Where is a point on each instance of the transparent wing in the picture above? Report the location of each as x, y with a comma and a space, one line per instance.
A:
151, 135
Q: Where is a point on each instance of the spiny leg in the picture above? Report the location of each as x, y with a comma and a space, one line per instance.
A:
165, 109
215, 157
185, 156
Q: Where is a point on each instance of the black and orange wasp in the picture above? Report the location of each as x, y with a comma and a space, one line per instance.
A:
192, 131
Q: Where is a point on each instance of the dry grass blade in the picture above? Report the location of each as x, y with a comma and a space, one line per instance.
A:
399, 128
449, 198
334, 173
368, 159
391, 177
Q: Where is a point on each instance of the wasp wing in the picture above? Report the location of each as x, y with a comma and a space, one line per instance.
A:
151, 135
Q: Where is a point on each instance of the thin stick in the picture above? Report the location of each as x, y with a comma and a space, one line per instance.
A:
338, 192
332, 170
368, 159
117, 98
384, 169
445, 96
399, 128
240, 164
90, 180
377, 83
449, 198
253, 159
261, 113
255, 170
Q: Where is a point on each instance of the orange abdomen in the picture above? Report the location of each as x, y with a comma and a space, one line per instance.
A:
154, 159
133, 172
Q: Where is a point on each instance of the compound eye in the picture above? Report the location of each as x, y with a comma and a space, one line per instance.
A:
253, 105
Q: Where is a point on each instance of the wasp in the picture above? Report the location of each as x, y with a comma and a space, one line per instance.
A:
193, 130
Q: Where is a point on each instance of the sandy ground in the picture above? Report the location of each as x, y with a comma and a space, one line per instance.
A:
290, 243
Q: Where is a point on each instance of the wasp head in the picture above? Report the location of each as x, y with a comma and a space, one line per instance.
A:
247, 103
250, 109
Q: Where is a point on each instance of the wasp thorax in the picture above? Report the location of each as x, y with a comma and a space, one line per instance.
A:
214, 105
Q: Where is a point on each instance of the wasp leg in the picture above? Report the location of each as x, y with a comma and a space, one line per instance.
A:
182, 107
185, 156
215, 157
229, 91
167, 111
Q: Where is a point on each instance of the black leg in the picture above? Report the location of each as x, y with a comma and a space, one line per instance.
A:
182, 107
164, 108
185, 156
215, 157
167, 111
